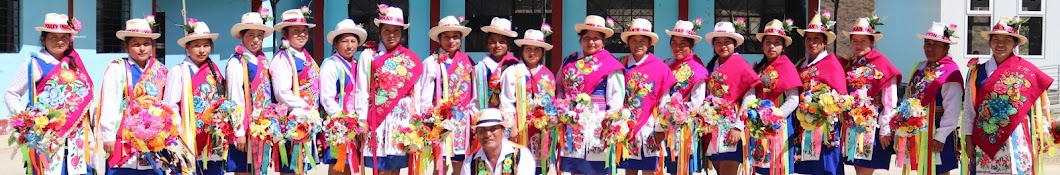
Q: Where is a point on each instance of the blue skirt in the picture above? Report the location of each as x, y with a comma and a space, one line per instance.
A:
327, 158
211, 168
791, 147
948, 156
881, 157
582, 166
287, 167
387, 163
730, 156
645, 163
126, 171
237, 160
457, 157
830, 163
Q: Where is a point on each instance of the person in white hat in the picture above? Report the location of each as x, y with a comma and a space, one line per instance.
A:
488, 71
295, 75
732, 81
247, 81
780, 85
340, 77
397, 71
140, 69
449, 72
497, 155
936, 81
824, 70
56, 59
690, 85
207, 84
594, 72
653, 82
872, 80
533, 81
998, 142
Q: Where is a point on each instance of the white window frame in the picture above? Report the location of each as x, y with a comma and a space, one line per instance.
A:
989, 12
1040, 14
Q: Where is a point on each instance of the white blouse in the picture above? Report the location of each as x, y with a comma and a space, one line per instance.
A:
283, 79
19, 85
329, 75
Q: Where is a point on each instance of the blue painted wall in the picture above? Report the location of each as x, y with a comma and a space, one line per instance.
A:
903, 23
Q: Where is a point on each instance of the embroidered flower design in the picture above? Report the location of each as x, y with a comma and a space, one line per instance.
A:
770, 78
717, 85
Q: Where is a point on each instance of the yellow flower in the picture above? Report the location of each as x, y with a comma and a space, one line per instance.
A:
584, 97
402, 71
399, 59
41, 121
1009, 80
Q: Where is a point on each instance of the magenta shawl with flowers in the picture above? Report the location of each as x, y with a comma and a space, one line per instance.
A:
874, 72
646, 84
459, 78
204, 91
828, 71
66, 87
1003, 101
927, 82
585, 73
257, 84
393, 72
688, 72
777, 77
732, 79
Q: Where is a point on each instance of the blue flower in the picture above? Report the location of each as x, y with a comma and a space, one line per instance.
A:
228, 105
999, 108
151, 89
199, 104
82, 91
457, 114
752, 114
766, 104
51, 97
204, 88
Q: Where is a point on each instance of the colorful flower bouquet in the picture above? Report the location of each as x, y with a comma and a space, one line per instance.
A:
300, 128
766, 128
341, 133
821, 106
860, 128
216, 126
674, 113
863, 114
37, 129
616, 127
543, 114
717, 114
151, 130
265, 133
576, 114
911, 118
411, 138
1054, 132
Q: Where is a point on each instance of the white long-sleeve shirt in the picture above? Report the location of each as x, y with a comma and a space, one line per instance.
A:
968, 123
509, 79
284, 77
889, 102
432, 73
524, 166
20, 85
111, 99
234, 77
329, 76
490, 65
174, 95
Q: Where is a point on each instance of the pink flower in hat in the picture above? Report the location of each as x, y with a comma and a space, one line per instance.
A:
697, 24
463, 21
150, 20
951, 31
546, 29
740, 23
266, 16
382, 9
610, 23
190, 26
789, 25
76, 24
308, 14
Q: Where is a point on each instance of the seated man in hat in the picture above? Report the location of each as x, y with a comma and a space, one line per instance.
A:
497, 155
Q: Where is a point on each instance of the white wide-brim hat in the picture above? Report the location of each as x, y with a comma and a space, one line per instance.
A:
447, 24
201, 31
392, 16
725, 29
136, 28
639, 26
251, 21
500, 26
774, 28
862, 27
937, 32
816, 26
489, 117
56, 23
685, 29
595, 23
292, 17
348, 26
1002, 28
534, 38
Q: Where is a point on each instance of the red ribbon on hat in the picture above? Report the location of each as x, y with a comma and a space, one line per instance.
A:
296, 20
58, 26
775, 31
1004, 28
538, 40
863, 29
148, 31
638, 30
817, 27
392, 19
937, 36
594, 25
685, 31
450, 25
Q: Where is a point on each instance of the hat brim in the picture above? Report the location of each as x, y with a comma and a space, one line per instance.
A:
125, 34
42, 29
607, 32
986, 35
435, 31
279, 27
380, 23
828, 35
761, 36
523, 42
184, 41
695, 38
875, 36
921, 36
361, 34
654, 37
491, 29
739, 38
241, 26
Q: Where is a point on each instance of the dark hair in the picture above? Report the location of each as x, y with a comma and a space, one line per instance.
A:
242, 32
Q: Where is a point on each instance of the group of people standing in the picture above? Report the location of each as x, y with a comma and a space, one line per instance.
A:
388, 86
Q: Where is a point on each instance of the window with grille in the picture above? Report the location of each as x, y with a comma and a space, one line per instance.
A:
364, 11
9, 33
111, 18
622, 12
524, 14
757, 13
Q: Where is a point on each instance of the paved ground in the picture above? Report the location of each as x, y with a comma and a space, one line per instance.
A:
11, 164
